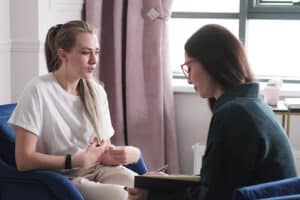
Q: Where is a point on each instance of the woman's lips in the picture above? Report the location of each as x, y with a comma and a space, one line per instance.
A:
91, 69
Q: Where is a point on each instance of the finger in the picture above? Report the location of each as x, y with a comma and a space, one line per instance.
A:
120, 158
131, 191
110, 148
92, 145
136, 194
94, 140
118, 152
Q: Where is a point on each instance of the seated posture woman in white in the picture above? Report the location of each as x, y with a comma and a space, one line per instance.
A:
62, 119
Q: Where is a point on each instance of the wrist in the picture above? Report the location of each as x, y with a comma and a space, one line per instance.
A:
68, 161
78, 160
136, 154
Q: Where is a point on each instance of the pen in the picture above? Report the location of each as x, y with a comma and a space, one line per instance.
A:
161, 169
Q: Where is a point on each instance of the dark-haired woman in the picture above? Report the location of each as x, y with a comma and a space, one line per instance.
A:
245, 144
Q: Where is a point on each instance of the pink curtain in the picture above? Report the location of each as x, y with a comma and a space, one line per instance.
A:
135, 70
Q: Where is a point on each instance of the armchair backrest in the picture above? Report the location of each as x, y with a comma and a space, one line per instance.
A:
7, 135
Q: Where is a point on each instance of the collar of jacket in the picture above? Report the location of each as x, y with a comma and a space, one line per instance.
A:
247, 90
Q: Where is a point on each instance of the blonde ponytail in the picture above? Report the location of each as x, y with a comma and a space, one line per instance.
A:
89, 95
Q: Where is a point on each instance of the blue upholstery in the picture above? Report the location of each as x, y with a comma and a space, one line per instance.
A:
139, 167
37, 184
281, 189
285, 197
7, 136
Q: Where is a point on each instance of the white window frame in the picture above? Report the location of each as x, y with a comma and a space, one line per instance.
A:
257, 10
249, 9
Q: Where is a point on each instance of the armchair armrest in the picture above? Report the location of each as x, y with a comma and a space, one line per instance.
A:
57, 185
52, 182
285, 197
278, 188
139, 167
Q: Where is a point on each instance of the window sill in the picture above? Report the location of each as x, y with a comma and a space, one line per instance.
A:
287, 89
181, 86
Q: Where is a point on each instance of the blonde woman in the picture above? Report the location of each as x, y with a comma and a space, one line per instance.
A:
62, 119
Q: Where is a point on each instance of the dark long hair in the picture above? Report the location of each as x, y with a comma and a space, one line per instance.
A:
221, 54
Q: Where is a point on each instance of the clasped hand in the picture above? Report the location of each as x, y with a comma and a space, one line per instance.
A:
110, 155
119, 155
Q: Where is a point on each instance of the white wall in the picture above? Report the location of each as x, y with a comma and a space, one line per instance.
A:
24, 44
4, 52
23, 28
192, 119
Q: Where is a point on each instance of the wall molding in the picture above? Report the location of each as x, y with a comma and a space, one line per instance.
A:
26, 46
4, 46
65, 5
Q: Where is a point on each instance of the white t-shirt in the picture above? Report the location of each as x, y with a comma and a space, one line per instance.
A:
58, 117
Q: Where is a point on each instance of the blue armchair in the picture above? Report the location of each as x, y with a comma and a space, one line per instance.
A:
284, 189
37, 184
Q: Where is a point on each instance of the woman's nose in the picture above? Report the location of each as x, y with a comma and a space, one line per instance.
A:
93, 58
189, 80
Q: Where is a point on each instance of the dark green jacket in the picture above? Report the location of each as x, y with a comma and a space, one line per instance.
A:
246, 145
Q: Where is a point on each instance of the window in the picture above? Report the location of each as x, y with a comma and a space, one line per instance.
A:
273, 48
206, 6
186, 27
278, 2
269, 29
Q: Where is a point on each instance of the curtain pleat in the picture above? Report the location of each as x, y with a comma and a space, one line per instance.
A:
136, 74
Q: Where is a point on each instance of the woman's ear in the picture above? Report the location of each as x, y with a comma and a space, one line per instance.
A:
61, 53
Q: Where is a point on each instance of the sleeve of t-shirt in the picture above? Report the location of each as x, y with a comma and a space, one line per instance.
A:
108, 130
28, 112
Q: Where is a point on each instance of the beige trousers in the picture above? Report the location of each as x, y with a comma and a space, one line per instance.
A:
103, 183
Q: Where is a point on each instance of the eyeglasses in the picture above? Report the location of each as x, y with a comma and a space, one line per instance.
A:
186, 69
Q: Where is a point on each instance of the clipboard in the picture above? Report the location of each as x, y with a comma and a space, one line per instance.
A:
166, 182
